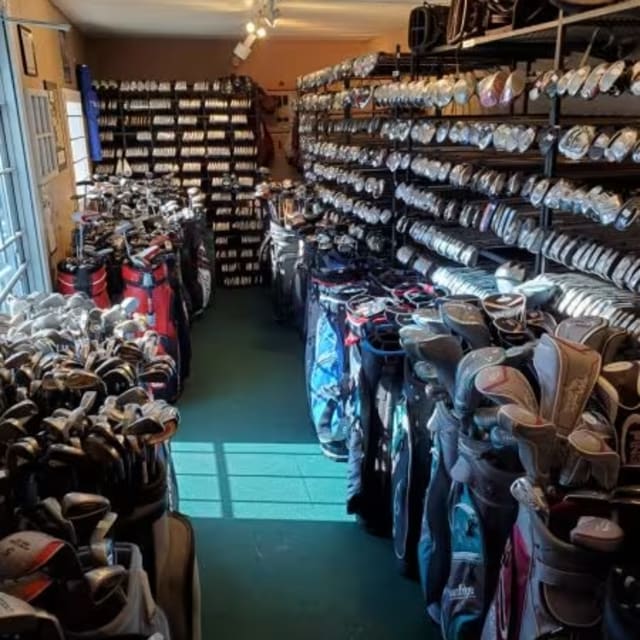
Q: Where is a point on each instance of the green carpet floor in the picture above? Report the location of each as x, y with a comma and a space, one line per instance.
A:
279, 558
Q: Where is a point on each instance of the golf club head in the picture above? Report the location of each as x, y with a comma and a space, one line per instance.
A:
530, 496
19, 619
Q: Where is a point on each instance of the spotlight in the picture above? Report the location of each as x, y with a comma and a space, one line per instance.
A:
251, 27
261, 32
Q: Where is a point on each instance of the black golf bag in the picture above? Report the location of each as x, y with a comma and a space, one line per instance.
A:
376, 370
195, 267
410, 464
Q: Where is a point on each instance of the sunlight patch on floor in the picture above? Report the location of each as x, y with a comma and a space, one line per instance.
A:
259, 481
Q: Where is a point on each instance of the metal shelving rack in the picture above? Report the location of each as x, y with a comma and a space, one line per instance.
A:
549, 43
230, 210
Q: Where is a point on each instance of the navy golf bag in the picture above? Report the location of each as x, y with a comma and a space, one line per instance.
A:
410, 464
377, 366
434, 548
481, 515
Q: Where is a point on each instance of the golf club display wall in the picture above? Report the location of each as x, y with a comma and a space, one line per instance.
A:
203, 133
474, 163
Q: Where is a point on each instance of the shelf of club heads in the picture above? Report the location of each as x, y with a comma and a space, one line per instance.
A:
193, 133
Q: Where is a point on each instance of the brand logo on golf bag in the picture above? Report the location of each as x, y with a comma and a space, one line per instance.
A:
462, 592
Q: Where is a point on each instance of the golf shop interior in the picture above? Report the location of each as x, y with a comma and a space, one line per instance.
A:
319, 320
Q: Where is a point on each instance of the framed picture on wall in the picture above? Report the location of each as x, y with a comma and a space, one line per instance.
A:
28, 51
57, 123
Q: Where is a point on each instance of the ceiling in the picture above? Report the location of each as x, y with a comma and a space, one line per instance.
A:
323, 19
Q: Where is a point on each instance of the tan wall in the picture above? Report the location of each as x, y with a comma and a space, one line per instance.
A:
387, 41
274, 64
49, 61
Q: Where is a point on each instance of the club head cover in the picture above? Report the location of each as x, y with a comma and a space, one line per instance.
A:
506, 385
591, 331
597, 534
466, 321
567, 372
613, 344
410, 338
466, 398
598, 423
625, 378
589, 456
608, 400
536, 440
444, 353
429, 318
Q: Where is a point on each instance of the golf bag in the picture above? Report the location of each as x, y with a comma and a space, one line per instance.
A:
88, 277
410, 462
434, 548
481, 515
376, 375
157, 301
300, 287
548, 587
167, 543
326, 364
283, 257
195, 267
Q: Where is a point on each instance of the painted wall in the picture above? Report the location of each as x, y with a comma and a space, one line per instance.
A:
274, 64
59, 189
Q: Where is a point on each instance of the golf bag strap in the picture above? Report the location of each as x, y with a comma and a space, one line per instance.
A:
562, 578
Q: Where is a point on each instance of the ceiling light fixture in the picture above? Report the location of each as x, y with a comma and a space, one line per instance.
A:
251, 26
261, 32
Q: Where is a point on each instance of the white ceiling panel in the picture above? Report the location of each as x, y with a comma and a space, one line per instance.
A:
355, 19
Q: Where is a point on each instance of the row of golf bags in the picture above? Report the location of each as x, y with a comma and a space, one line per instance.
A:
495, 444
146, 241
91, 541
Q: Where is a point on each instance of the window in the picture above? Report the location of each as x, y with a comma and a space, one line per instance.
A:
42, 135
77, 137
23, 267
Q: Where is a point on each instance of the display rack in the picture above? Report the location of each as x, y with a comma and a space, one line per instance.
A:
206, 135
542, 47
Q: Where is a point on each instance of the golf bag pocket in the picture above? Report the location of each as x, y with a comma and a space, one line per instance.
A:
327, 380
463, 595
89, 278
434, 547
